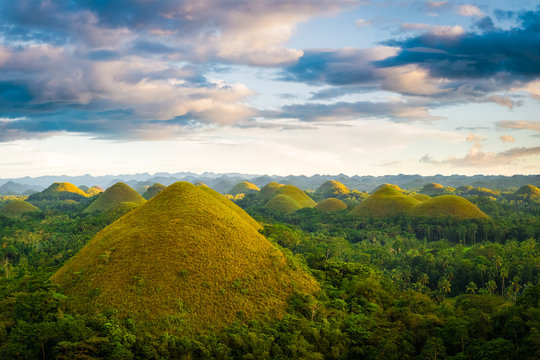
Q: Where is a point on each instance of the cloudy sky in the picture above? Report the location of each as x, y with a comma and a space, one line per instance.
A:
273, 86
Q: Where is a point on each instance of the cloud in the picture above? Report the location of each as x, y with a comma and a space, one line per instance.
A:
507, 138
360, 23
436, 4
469, 10
519, 125
476, 157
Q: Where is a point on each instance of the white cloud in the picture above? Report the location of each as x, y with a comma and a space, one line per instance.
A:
470, 10
507, 138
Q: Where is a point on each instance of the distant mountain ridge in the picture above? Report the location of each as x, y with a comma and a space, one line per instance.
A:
223, 182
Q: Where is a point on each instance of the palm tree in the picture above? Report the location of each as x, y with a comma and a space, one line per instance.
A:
491, 286
472, 288
515, 286
445, 286
424, 279
504, 274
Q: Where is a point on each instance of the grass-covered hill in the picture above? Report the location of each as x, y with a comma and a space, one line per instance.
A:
529, 192
332, 188
16, 208
432, 189
59, 191
390, 201
185, 261
94, 190
297, 195
330, 205
244, 187
118, 193
153, 190
448, 205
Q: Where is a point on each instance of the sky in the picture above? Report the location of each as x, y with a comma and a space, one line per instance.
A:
269, 87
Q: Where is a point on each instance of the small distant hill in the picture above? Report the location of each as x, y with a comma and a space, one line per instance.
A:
94, 190
186, 254
59, 191
529, 192
389, 201
432, 189
331, 205
16, 208
387, 186
332, 189
244, 188
297, 195
285, 198
118, 193
153, 191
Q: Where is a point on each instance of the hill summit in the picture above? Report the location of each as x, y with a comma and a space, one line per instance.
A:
187, 254
331, 205
529, 191
332, 188
113, 196
286, 198
244, 187
59, 191
16, 208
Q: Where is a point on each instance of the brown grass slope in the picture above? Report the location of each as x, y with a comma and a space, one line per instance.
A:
59, 191
244, 187
283, 203
183, 254
330, 205
118, 193
448, 205
332, 188
16, 208
529, 191
153, 190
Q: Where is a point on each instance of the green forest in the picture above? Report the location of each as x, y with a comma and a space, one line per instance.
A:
393, 274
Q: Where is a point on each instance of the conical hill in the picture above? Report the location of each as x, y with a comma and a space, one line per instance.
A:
59, 191
432, 189
153, 190
269, 190
116, 194
184, 255
16, 208
331, 205
297, 195
244, 188
529, 191
332, 188
282, 203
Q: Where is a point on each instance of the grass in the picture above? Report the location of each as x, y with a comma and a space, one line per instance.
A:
16, 208
388, 201
283, 203
59, 191
183, 254
244, 188
153, 190
114, 195
432, 189
94, 190
332, 188
330, 205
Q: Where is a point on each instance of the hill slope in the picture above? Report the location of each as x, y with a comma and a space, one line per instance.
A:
297, 195
448, 205
283, 203
184, 254
16, 208
388, 200
330, 205
116, 194
94, 190
529, 191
